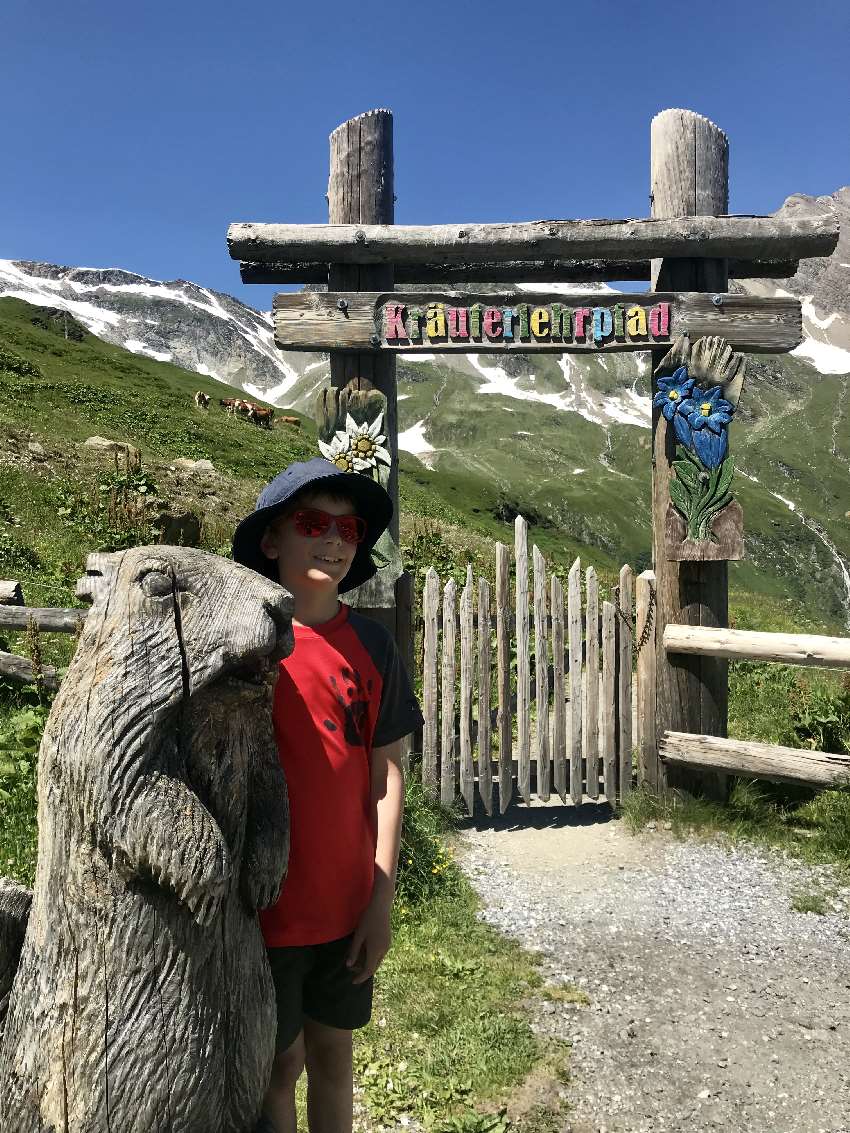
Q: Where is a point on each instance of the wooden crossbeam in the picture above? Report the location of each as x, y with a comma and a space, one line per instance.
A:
758, 761
51, 619
509, 271
791, 648
529, 322
747, 237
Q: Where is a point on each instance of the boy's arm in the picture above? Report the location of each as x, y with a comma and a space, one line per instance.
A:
372, 936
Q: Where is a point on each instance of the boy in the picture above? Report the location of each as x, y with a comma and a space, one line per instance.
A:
343, 702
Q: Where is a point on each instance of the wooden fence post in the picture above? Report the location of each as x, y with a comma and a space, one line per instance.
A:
541, 675
574, 629
624, 677
467, 770
430, 748
360, 191
559, 722
690, 177
485, 766
523, 707
645, 740
609, 701
447, 746
504, 719
591, 663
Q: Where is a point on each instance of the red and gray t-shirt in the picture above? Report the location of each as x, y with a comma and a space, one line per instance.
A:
342, 691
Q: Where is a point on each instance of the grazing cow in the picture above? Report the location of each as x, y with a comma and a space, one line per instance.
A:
228, 404
263, 418
294, 421
202, 400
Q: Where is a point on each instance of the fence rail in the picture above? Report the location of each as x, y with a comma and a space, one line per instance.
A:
560, 717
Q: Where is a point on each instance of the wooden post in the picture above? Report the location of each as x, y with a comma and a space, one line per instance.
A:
504, 719
559, 699
523, 706
467, 770
541, 675
591, 685
430, 749
690, 177
574, 626
404, 637
645, 740
624, 678
447, 720
360, 191
485, 764
609, 701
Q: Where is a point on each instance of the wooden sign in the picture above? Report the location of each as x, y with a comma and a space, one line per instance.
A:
526, 322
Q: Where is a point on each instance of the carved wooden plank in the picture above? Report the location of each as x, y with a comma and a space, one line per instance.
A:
467, 770
591, 685
541, 675
20, 669
430, 732
509, 271
574, 620
529, 322
504, 718
447, 747
761, 761
624, 679
559, 698
792, 648
523, 707
609, 702
485, 762
645, 739
11, 593
50, 619
744, 237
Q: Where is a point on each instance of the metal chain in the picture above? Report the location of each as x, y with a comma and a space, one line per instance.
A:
646, 633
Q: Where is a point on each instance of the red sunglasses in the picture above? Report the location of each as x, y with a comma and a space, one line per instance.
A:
313, 522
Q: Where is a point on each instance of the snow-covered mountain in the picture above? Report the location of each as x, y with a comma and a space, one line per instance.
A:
564, 438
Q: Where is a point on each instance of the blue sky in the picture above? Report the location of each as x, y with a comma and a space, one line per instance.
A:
132, 136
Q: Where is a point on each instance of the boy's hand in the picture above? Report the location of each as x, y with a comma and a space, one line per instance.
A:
371, 940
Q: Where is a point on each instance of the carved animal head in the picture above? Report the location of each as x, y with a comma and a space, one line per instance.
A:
165, 623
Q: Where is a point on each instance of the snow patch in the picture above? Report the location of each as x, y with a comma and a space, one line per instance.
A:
578, 471
826, 358
413, 440
417, 357
136, 347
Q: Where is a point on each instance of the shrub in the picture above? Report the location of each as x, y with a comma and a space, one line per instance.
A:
426, 868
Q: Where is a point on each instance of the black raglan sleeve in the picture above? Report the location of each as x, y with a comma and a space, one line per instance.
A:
399, 713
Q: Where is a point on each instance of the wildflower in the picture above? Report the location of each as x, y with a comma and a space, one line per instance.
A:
709, 416
672, 392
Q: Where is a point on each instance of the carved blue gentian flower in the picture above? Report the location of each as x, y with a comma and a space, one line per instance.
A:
672, 393
708, 415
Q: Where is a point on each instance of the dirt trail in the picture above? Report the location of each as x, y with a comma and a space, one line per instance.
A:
713, 1004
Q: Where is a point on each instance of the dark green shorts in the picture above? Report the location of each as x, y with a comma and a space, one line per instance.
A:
313, 981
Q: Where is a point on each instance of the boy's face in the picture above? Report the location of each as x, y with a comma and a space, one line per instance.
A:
307, 562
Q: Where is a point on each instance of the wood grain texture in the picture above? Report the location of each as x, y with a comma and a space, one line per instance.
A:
467, 769
485, 760
163, 827
760, 761
508, 271
624, 678
21, 669
504, 717
689, 175
313, 320
591, 685
559, 695
574, 630
447, 719
523, 708
50, 619
430, 731
541, 675
11, 593
704, 236
727, 544
645, 738
361, 191
404, 599
608, 721
790, 648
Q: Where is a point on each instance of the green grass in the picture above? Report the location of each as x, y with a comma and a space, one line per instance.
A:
813, 826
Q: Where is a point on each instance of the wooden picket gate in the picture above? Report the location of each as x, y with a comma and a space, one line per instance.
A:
580, 665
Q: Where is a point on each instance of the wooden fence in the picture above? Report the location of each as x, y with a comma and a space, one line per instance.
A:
529, 692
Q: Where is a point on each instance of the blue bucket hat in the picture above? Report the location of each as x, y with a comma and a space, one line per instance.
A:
371, 501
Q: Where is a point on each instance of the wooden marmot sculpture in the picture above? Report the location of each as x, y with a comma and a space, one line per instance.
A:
141, 1000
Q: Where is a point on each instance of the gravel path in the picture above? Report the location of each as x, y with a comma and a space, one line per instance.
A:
713, 1004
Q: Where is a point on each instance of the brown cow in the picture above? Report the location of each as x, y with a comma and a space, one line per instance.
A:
264, 418
202, 400
294, 421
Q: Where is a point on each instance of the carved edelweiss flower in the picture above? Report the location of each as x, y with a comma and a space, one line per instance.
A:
340, 453
367, 440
